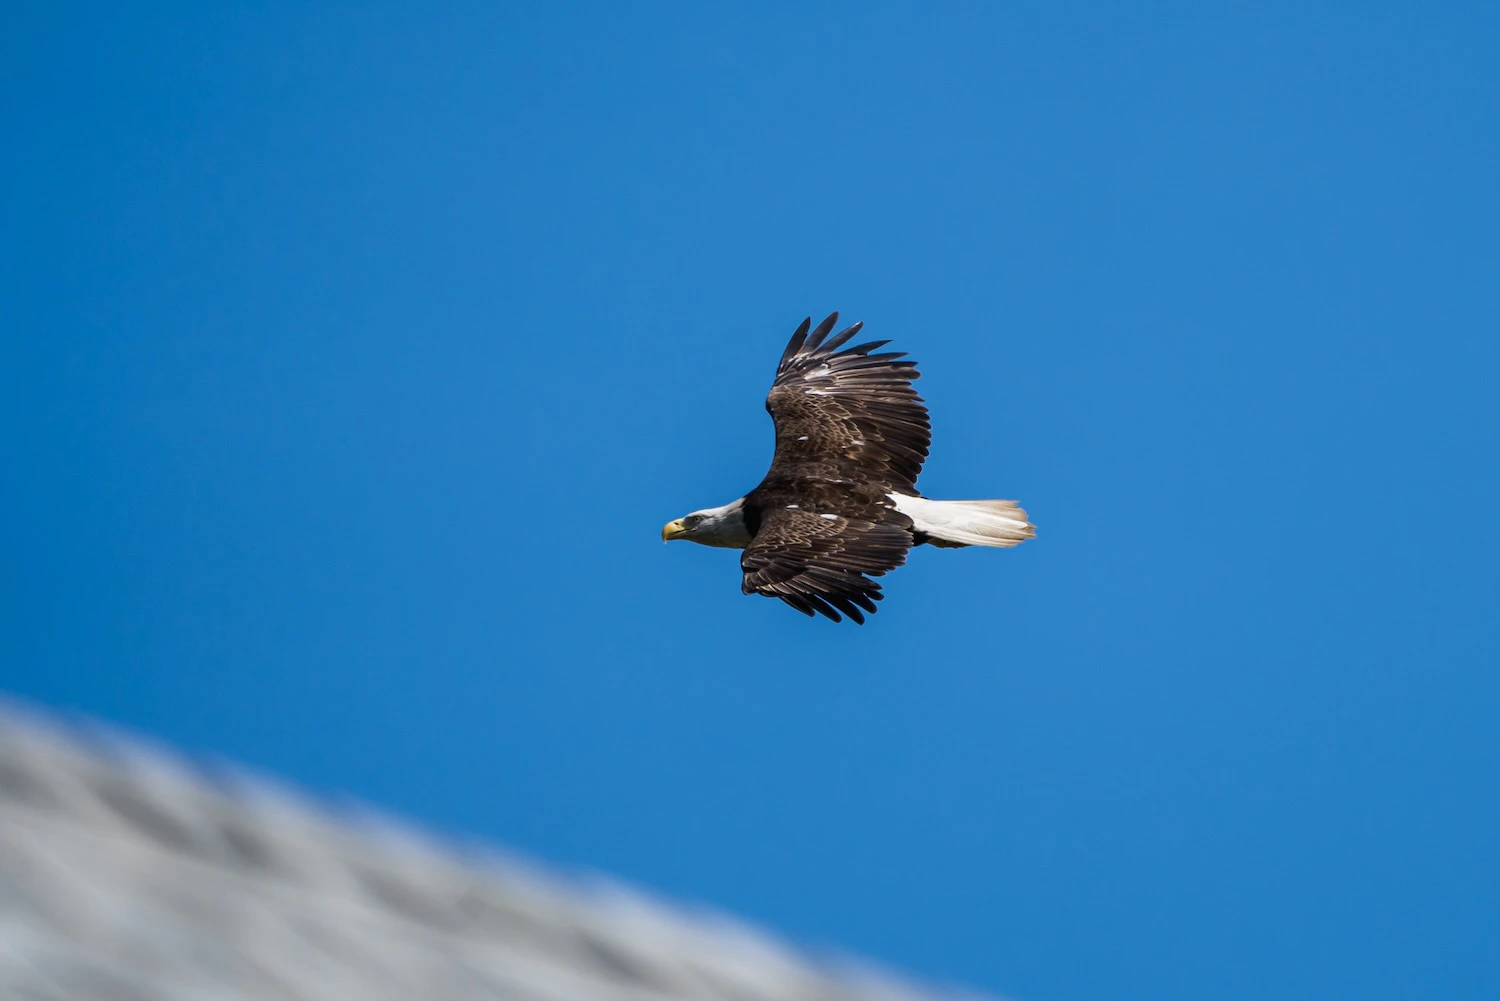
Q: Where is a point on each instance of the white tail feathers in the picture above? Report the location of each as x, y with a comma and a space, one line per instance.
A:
967, 522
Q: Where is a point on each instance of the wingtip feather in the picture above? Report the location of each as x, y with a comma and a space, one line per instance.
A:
799, 337
839, 339
815, 339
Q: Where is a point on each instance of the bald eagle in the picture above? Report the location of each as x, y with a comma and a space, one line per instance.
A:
840, 503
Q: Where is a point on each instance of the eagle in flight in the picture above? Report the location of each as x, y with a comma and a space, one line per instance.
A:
840, 504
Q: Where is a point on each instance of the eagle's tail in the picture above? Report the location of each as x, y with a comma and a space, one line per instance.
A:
966, 522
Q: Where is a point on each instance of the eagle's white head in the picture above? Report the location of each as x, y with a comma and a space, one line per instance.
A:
713, 526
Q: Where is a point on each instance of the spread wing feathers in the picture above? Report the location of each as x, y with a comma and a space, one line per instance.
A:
848, 408
819, 565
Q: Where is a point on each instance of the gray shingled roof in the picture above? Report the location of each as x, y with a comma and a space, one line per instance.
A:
126, 874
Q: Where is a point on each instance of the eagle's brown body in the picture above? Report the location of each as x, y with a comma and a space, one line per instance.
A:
840, 503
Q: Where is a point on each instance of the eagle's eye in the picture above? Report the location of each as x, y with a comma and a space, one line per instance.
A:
692, 521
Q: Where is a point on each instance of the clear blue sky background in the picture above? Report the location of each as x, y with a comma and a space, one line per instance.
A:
354, 359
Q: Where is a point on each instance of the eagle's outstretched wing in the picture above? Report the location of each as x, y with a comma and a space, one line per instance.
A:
819, 562
847, 413
850, 430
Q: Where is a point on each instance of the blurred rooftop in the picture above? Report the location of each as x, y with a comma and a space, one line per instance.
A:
128, 873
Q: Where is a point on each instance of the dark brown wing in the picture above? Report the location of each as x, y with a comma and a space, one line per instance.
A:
847, 414
818, 562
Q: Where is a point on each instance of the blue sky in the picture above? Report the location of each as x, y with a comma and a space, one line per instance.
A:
354, 360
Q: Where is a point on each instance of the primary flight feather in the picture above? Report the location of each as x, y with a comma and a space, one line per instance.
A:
840, 504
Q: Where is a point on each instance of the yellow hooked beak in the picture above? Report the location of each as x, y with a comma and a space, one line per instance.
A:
672, 530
